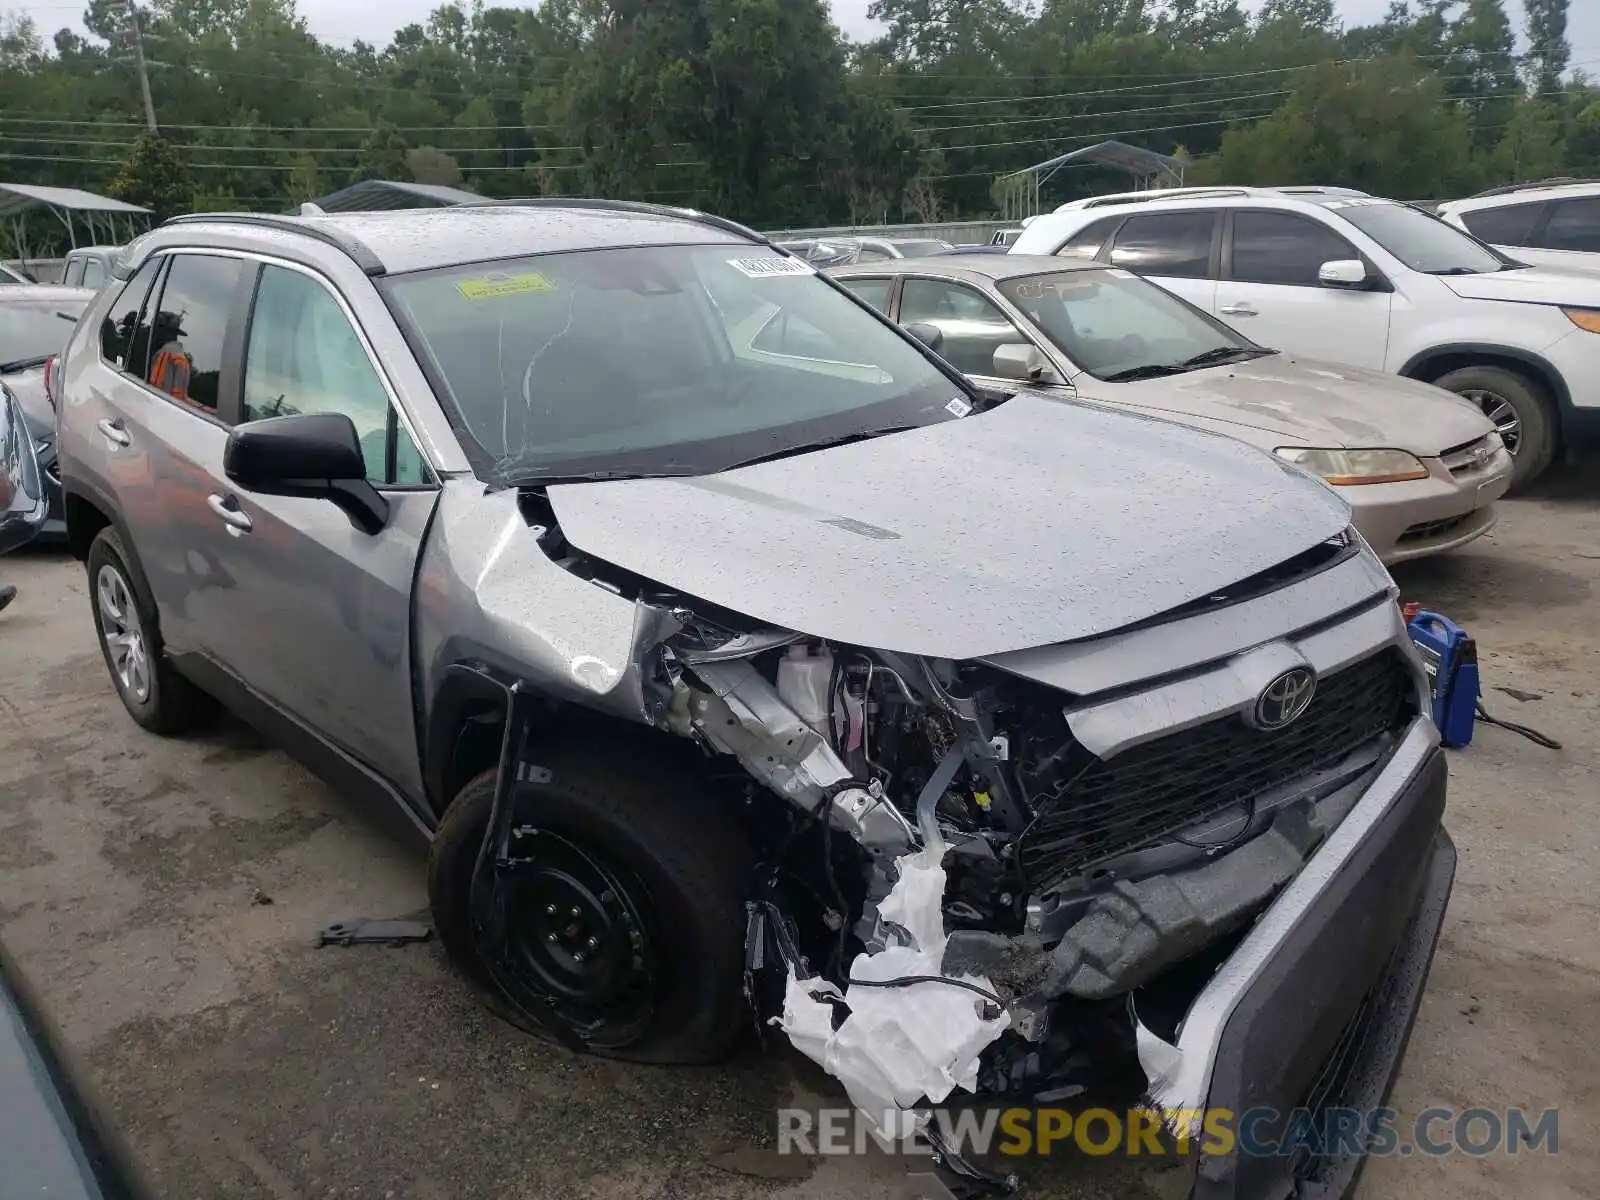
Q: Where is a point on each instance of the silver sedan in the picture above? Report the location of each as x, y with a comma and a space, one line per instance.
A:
1420, 468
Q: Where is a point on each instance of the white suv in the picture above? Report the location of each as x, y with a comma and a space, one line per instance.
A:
1553, 223
1335, 274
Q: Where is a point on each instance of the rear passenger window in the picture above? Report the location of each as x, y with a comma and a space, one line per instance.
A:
1509, 226
1176, 244
1087, 241
304, 356
1574, 225
122, 343
874, 291
187, 326
1275, 247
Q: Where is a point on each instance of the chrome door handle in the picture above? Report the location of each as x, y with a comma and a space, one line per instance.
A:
114, 431
226, 507
1240, 309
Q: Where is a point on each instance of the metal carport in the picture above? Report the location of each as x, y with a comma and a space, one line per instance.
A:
106, 221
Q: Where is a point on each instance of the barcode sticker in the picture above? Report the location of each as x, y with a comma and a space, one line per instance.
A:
761, 268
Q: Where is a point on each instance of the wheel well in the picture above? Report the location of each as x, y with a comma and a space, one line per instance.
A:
84, 522
480, 729
1438, 365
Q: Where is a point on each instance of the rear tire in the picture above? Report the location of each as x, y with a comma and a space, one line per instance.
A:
1521, 411
155, 695
636, 854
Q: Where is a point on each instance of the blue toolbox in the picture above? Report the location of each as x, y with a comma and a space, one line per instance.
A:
1451, 659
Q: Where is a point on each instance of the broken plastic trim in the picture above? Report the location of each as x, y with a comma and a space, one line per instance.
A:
909, 1035
489, 902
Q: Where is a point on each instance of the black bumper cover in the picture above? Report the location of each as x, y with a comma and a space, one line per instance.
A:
1368, 940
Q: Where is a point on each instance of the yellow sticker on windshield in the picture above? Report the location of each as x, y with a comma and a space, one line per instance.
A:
494, 287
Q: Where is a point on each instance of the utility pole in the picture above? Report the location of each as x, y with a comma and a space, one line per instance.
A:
144, 70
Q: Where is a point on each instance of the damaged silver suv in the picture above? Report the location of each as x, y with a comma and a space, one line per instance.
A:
732, 653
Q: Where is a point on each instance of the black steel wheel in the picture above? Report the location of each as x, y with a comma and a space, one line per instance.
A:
621, 919
582, 944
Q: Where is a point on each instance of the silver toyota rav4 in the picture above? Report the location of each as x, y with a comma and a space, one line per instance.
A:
731, 652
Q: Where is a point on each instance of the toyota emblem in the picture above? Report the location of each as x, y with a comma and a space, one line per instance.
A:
1285, 699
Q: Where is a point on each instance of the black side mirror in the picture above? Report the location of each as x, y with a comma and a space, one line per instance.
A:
316, 456
930, 336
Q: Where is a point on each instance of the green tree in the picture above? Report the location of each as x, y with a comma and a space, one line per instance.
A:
154, 176
1548, 50
1481, 68
382, 154
1533, 145
1380, 126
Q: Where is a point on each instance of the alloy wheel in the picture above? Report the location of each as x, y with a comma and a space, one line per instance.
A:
123, 633
1500, 411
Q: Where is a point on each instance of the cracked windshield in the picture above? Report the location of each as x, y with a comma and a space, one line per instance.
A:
667, 360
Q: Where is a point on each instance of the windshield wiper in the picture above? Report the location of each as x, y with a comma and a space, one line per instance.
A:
1460, 271
860, 435
1224, 354
23, 364
540, 481
1146, 371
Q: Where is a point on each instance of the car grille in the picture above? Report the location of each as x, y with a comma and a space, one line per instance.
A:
1146, 794
1467, 457
1426, 531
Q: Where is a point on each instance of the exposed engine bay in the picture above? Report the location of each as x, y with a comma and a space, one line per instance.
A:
995, 853
976, 880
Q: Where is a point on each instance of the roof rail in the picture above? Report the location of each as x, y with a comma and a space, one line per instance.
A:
1530, 185
1318, 189
631, 206
330, 235
1186, 193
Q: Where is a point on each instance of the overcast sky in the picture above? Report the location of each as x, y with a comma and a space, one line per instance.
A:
343, 21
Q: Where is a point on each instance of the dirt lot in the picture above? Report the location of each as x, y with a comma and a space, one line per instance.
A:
162, 897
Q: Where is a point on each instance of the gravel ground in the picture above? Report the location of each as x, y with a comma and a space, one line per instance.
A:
162, 897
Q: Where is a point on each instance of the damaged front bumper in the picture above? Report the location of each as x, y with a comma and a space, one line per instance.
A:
1333, 970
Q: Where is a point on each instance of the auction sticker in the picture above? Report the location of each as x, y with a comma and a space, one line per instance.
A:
761, 268
501, 284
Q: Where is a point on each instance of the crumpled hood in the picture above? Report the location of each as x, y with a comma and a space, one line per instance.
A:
1288, 401
1034, 523
1530, 285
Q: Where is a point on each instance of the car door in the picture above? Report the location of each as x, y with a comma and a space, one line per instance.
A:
1177, 250
1270, 291
320, 613
163, 435
974, 327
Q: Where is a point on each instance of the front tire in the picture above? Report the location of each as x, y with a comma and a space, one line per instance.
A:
1520, 410
626, 922
155, 695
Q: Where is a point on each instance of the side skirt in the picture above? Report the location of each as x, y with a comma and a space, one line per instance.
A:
411, 822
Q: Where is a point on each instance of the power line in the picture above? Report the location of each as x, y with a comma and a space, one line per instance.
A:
1090, 137
1126, 112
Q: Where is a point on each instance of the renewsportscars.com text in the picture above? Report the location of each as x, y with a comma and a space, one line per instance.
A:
1256, 1132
